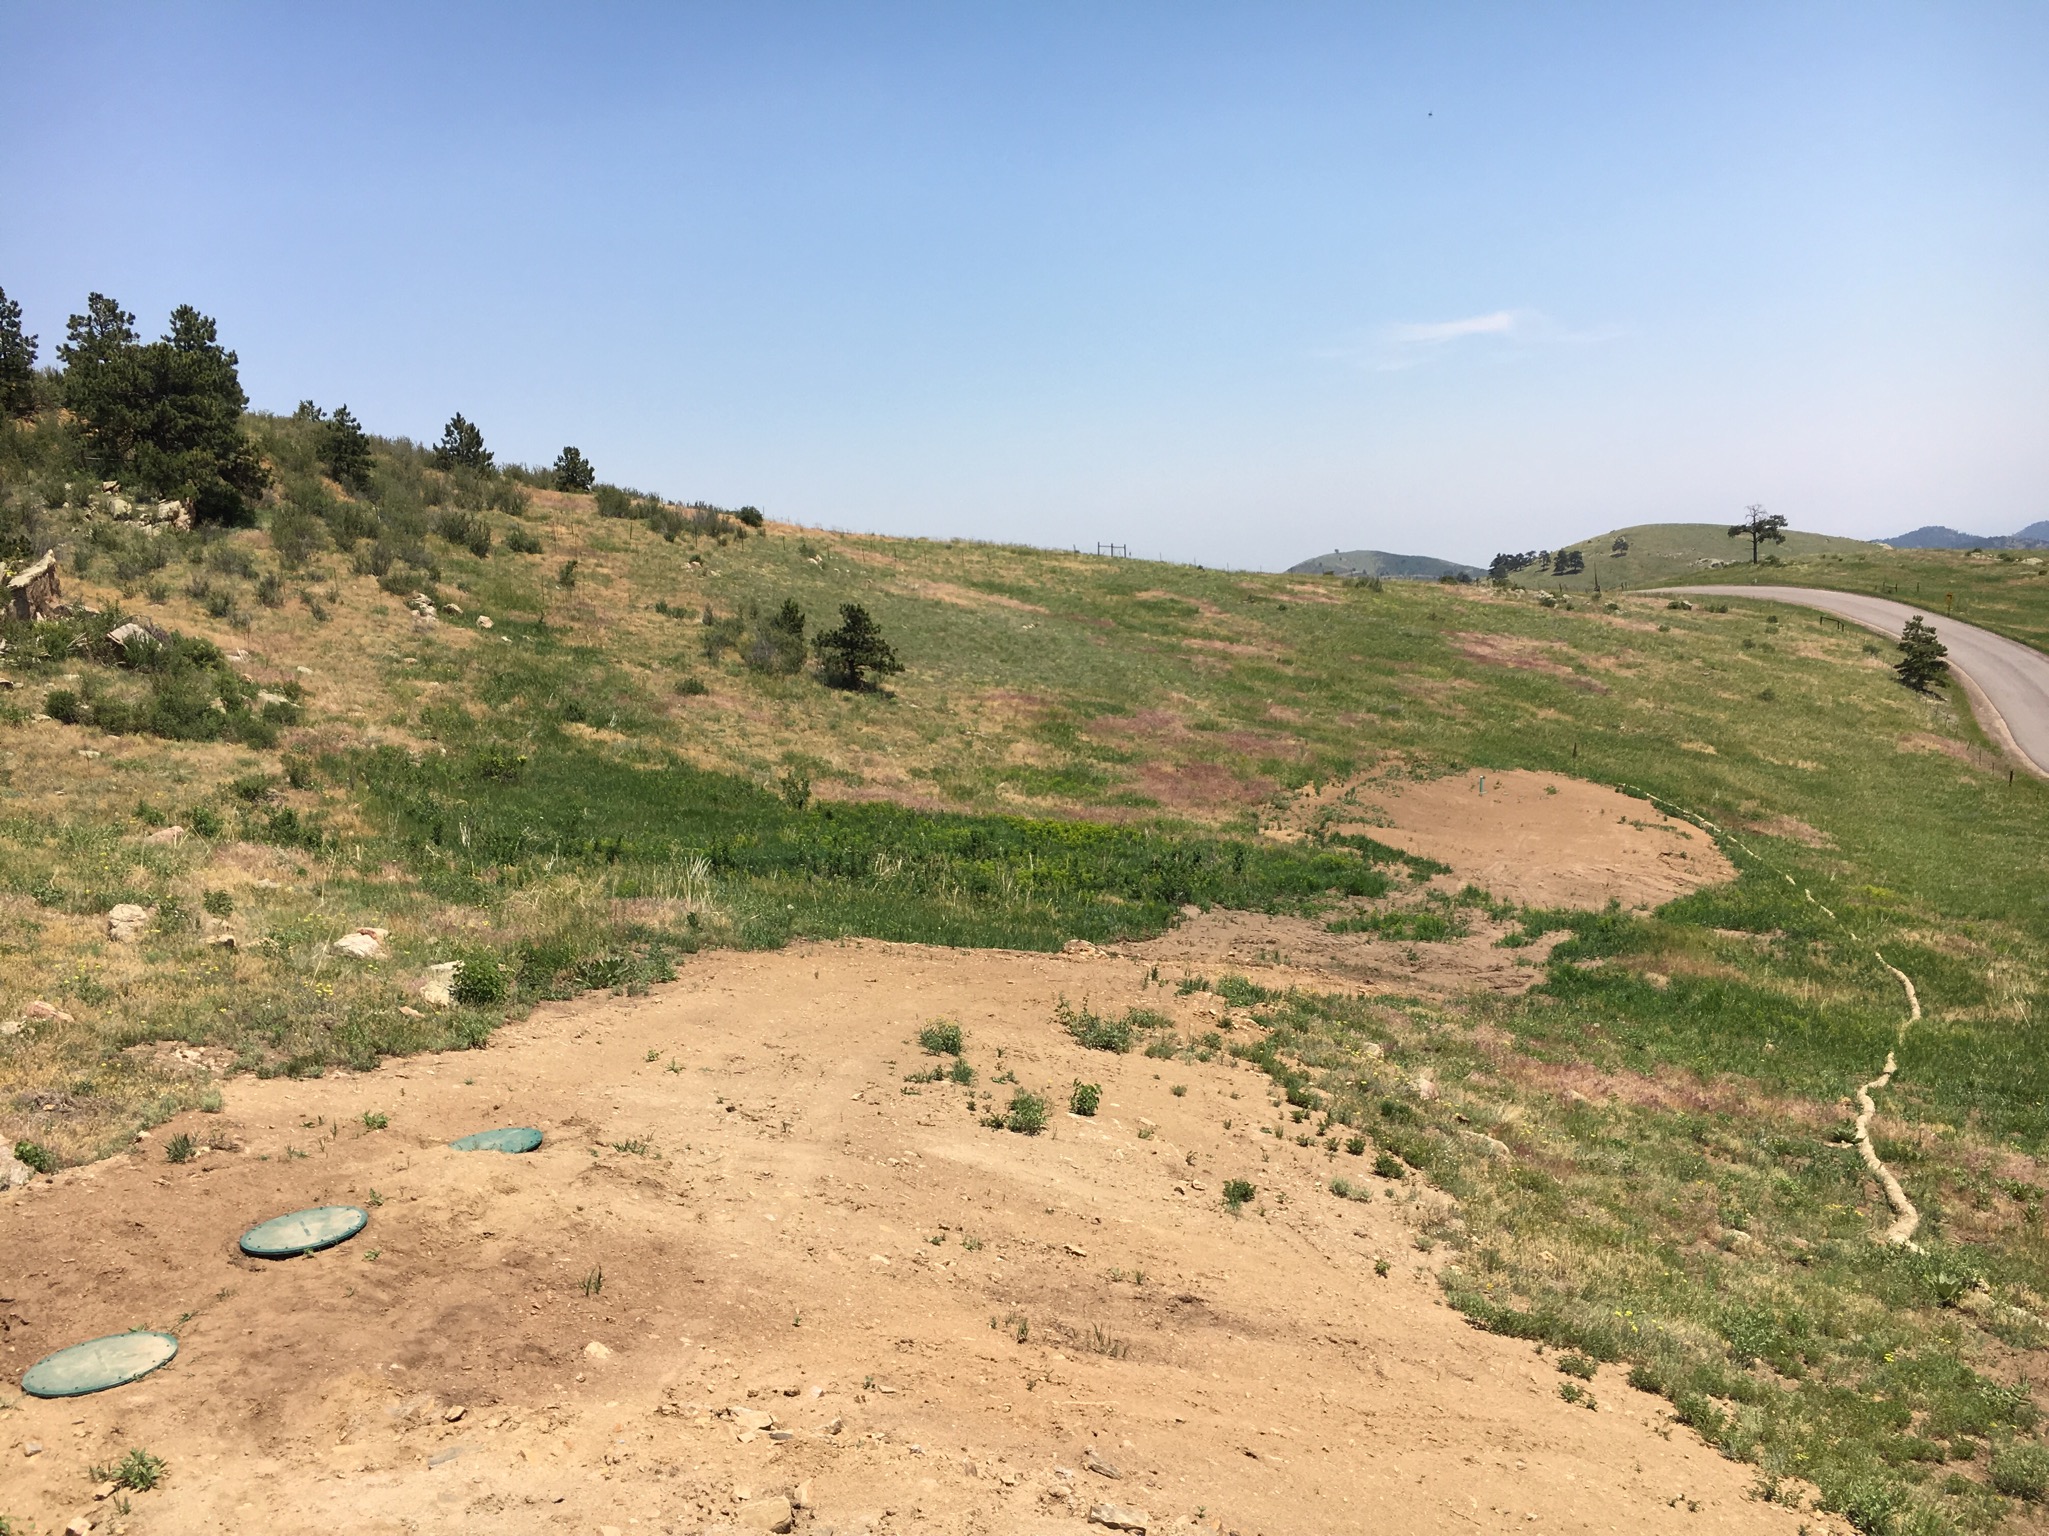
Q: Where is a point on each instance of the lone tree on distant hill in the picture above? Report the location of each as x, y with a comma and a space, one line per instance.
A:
855, 648
1921, 665
574, 472
462, 446
17, 362
345, 450
1761, 527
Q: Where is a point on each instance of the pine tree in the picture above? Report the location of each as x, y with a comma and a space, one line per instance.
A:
854, 649
17, 362
1760, 527
1921, 663
345, 450
574, 472
462, 446
99, 381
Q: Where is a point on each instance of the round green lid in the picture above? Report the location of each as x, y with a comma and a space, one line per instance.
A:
514, 1138
309, 1231
98, 1364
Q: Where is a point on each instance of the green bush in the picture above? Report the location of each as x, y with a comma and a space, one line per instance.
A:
1085, 1098
64, 704
1027, 1114
180, 1149
2021, 1471
1238, 1193
522, 541
479, 982
1388, 1166
37, 1156
942, 1037
467, 529
1092, 1031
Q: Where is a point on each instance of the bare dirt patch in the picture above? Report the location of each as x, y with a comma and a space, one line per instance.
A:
817, 1278
1524, 655
1539, 839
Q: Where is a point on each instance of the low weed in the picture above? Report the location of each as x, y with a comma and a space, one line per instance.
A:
1084, 1099
1026, 1114
1238, 1193
942, 1037
181, 1148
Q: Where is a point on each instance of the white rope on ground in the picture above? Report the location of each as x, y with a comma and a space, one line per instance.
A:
1906, 1219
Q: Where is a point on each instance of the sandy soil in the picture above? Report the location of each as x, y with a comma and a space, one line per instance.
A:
1541, 839
809, 1239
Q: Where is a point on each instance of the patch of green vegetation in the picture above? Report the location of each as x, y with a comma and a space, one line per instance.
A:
1721, 1245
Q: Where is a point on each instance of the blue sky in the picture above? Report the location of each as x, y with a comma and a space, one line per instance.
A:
1233, 284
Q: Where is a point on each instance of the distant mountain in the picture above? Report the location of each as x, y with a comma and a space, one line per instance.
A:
1378, 562
1935, 536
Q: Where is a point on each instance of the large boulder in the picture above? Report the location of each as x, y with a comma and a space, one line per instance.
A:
33, 593
127, 922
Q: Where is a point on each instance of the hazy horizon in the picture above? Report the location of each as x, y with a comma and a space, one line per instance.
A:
1229, 285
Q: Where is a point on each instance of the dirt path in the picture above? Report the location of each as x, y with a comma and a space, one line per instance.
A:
946, 1323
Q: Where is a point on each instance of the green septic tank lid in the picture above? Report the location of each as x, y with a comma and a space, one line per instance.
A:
309, 1231
98, 1364
514, 1138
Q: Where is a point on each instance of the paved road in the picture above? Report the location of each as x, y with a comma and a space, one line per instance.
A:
2011, 680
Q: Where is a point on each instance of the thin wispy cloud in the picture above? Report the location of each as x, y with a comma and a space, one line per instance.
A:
1410, 344
1500, 323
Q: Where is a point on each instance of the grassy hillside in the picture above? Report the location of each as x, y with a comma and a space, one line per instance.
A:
630, 763
1658, 553
2003, 591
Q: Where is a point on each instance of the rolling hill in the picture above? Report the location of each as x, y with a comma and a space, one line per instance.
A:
1378, 562
1648, 554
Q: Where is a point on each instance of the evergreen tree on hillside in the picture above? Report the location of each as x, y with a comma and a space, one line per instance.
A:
462, 446
345, 450
17, 362
574, 472
99, 380
1921, 663
1760, 527
166, 416
854, 649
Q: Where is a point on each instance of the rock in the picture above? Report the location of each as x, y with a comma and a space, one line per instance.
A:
166, 836
42, 1010
454, 1415
409, 1013
751, 1418
11, 1026
363, 944
13, 1174
81, 1525
1115, 1517
1426, 1086
126, 922
483, 621
1097, 1465
105, 1490
597, 1351
1080, 948
800, 1496
225, 941
451, 608
34, 591
265, 696
133, 634
437, 987
1372, 1048
1736, 1240
767, 1514
32, 1448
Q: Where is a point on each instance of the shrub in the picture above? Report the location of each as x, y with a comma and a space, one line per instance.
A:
1576, 1364
522, 541
2021, 1471
479, 982
65, 705
36, 1155
692, 686
180, 1149
942, 1037
1388, 1166
1093, 1032
751, 516
1027, 1115
1085, 1098
467, 529
1238, 1193
961, 1072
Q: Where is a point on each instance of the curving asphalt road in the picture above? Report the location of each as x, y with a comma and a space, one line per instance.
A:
2008, 682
